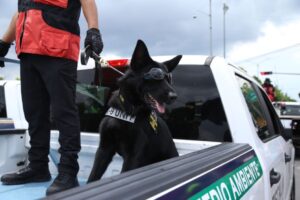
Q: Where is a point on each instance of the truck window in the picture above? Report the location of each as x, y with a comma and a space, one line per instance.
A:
290, 110
2, 103
198, 113
255, 106
275, 121
91, 100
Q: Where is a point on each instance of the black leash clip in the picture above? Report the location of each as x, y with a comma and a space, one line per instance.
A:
85, 55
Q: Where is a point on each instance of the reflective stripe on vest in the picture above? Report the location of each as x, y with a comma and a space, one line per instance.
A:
49, 27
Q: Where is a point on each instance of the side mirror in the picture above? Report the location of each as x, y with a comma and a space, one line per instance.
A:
287, 134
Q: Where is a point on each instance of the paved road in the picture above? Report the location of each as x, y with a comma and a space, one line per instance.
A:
297, 172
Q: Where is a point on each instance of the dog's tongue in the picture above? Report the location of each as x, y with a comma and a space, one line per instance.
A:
160, 108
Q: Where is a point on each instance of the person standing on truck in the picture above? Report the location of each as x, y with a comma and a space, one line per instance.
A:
269, 88
47, 42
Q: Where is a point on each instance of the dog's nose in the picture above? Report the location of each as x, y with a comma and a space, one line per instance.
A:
172, 97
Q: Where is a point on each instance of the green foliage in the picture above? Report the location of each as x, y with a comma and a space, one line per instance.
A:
1, 78
281, 96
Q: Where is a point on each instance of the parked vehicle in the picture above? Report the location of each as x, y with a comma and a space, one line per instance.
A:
231, 142
289, 113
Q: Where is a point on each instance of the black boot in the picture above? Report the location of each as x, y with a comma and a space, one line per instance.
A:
62, 182
26, 175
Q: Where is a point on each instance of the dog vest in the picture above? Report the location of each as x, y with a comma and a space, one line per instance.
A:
118, 114
115, 113
48, 27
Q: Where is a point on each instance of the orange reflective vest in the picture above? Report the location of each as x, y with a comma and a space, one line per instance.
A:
48, 27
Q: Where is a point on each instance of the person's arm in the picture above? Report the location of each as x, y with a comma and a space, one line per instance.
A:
93, 36
10, 34
8, 37
90, 12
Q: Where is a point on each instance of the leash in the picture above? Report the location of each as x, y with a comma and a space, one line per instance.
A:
104, 62
9, 60
99, 62
84, 58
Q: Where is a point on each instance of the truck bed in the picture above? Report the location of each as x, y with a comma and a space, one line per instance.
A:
90, 143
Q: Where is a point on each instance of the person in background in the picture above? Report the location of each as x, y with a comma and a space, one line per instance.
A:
47, 39
269, 88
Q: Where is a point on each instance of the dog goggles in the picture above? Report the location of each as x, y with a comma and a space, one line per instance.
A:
157, 74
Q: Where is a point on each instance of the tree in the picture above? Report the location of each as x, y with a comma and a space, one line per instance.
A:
281, 96
1, 78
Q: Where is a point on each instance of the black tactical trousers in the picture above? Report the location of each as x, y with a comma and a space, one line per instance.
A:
49, 83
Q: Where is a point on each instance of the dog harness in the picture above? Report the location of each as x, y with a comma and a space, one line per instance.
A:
153, 121
115, 113
118, 114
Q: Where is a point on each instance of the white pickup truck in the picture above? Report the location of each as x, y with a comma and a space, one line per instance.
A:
231, 142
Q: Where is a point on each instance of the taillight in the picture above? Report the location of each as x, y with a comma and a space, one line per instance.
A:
118, 63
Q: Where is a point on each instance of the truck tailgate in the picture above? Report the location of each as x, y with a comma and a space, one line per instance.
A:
178, 178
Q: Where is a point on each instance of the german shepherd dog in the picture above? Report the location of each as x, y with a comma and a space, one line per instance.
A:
132, 127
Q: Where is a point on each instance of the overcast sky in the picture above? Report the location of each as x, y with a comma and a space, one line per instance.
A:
253, 28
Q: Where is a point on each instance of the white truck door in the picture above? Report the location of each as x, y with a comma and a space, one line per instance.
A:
289, 158
269, 142
286, 143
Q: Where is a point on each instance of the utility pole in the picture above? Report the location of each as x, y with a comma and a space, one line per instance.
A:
209, 14
210, 29
225, 9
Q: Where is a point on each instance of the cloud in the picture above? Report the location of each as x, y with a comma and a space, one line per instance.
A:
272, 38
253, 27
168, 26
277, 49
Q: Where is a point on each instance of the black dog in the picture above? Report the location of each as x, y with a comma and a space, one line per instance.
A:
131, 126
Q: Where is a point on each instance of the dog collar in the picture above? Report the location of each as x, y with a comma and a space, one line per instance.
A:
115, 113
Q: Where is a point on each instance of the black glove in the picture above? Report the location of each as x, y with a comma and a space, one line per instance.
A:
4, 47
94, 40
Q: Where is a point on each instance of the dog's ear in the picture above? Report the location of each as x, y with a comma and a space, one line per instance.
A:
140, 56
171, 64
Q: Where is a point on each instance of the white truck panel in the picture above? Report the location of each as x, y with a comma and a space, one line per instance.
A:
14, 103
